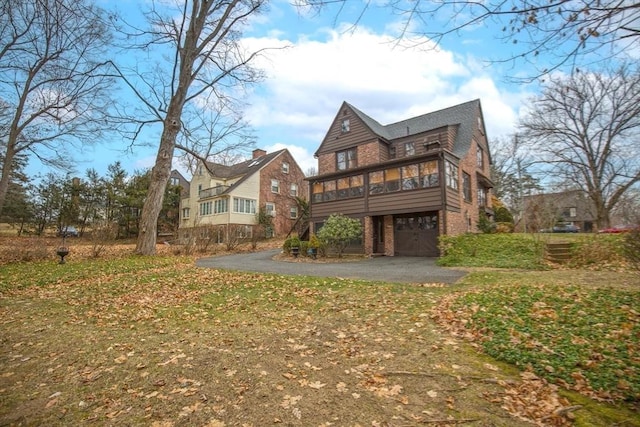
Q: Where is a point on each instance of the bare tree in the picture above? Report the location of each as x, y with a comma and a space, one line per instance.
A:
510, 173
202, 63
586, 129
555, 33
52, 80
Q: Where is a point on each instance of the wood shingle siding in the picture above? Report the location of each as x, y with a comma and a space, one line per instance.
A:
406, 169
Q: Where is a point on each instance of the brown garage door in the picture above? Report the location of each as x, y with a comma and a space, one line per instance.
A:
416, 234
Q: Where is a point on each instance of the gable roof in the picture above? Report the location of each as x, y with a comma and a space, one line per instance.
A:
462, 115
244, 169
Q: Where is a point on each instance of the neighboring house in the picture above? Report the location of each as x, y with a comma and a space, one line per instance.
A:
177, 179
543, 211
228, 198
408, 182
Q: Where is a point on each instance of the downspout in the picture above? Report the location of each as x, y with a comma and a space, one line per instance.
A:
443, 191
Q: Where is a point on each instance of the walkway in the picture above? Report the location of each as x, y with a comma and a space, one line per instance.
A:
385, 269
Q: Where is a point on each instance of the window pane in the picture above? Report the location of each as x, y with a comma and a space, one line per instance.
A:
341, 160
429, 174
329, 190
410, 177
343, 188
318, 188
376, 182
409, 149
392, 179
357, 186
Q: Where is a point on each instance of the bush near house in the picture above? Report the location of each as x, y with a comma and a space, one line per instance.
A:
338, 231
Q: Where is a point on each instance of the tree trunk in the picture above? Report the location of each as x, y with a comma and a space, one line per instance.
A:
9, 155
148, 230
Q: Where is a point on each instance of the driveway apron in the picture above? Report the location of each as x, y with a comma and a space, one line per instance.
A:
385, 269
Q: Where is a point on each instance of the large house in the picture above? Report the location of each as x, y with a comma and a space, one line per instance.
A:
227, 198
543, 211
409, 181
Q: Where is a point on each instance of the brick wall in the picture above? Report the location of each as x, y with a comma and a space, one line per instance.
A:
389, 242
326, 163
283, 200
367, 242
369, 153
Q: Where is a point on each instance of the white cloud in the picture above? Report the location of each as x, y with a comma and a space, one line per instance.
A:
307, 83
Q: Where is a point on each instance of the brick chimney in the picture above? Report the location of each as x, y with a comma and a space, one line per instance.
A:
257, 153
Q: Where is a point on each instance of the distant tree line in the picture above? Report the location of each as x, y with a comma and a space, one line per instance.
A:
60, 200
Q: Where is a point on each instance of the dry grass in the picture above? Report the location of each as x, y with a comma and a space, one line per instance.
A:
126, 340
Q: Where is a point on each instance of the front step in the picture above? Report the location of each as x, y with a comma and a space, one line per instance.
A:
559, 252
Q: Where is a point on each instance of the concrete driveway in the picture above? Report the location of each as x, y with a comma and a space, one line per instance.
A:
386, 269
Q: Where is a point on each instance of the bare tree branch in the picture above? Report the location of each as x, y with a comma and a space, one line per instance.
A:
586, 128
54, 79
564, 32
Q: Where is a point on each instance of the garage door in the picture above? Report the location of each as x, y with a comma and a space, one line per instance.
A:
416, 234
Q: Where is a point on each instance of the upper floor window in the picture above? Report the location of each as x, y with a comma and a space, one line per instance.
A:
480, 157
451, 172
392, 180
346, 126
570, 213
410, 177
466, 186
409, 148
349, 187
346, 159
293, 191
293, 212
275, 186
392, 152
285, 167
175, 180
429, 175
329, 191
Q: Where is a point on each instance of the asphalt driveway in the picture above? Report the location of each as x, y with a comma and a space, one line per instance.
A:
386, 269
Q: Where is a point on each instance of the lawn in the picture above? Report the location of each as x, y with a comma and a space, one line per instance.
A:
155, 341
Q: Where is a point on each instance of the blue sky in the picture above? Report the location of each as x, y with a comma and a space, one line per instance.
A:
329, 61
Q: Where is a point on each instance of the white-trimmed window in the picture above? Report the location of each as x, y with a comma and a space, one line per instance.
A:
270, 209
293, 212
186, 212
221, 206
275, 186
451, 172
346, 126
294, 189
285, 167
206, 208
247, 206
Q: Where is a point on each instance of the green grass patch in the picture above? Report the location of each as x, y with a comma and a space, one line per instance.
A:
492, 250
584, 338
